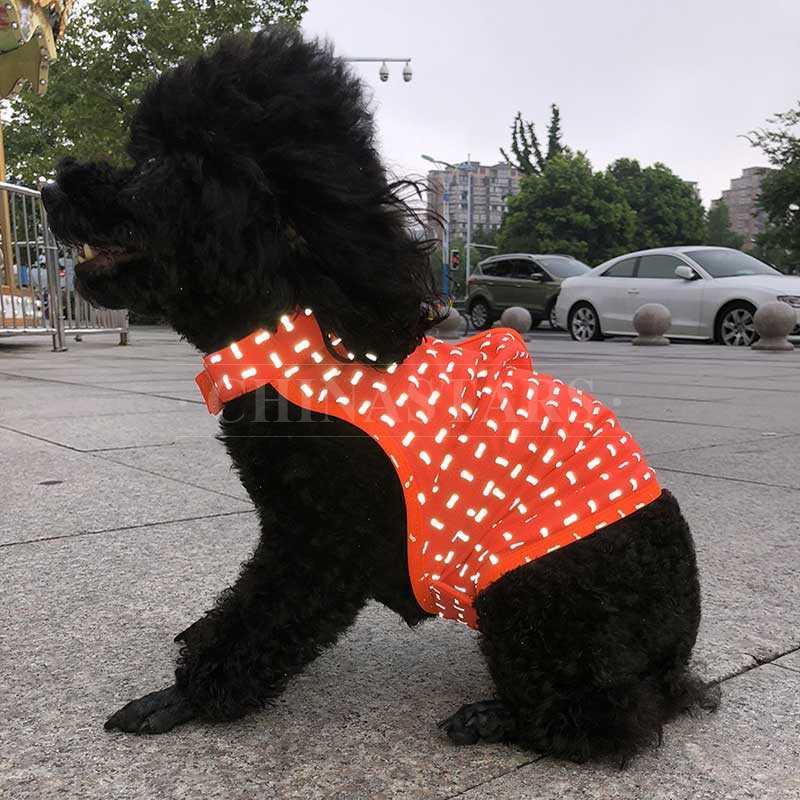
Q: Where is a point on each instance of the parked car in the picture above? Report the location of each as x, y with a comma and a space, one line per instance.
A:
518, 279
711, 292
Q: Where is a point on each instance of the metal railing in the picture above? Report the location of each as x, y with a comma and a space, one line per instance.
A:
37, 277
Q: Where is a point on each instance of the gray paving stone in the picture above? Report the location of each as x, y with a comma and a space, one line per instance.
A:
748, 749
90, 622
87, 622
211, 466
768, 460
658, 436
91, 494
746, 539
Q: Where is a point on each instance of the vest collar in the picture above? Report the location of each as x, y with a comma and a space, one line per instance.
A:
251, 362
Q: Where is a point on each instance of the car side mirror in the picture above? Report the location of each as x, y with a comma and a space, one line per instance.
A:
536, 276
687, 273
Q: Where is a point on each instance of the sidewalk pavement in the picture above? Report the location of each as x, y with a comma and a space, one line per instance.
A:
120, 521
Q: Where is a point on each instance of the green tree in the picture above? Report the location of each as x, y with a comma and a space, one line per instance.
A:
569, 208
554, 145
668, 210
484, 235
780, 189
111, 51
525, 148
718, 227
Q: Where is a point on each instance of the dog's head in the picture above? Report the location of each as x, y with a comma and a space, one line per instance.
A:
255, 188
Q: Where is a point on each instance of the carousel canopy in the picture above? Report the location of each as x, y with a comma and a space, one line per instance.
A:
28, 33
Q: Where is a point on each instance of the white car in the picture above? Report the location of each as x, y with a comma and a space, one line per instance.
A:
711, 292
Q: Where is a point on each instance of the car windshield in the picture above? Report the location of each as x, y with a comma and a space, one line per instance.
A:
562, 267
730, 263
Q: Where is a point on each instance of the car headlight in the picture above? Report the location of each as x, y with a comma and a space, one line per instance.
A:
791, 299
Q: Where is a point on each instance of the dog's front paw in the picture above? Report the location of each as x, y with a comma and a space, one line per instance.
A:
157, 712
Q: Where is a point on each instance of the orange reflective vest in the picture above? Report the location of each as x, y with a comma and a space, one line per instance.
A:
499, 464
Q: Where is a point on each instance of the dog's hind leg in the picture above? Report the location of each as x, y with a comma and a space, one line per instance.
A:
487, 721
588, 646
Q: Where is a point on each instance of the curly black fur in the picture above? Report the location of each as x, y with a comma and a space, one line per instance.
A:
256, 188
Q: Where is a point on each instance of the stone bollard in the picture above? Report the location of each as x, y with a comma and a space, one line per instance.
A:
652, 321
454, 325
774, 321
519, 319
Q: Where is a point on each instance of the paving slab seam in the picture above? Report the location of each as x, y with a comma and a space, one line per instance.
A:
169, 478
769, 661
762, 438
695, 424
123, 447
59, 444
100, 386
724, 478
703, 386
661, 397
494, 778
121, 528
112, 413
768, 363
760, 662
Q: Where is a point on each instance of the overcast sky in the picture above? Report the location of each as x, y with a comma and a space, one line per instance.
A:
658, 80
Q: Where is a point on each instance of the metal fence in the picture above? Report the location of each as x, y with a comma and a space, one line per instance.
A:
37, 277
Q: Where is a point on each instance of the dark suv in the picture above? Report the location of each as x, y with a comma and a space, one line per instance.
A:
518, 279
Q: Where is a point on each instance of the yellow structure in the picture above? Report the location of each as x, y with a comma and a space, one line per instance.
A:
28, 33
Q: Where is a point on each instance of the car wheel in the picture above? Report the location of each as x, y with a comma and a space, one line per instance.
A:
552, 319
584, 324
480, 315
735, 325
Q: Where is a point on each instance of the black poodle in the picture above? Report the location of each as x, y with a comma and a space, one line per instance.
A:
256, 189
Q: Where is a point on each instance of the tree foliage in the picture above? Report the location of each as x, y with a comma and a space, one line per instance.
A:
569, 208
718, 227
780, 189
110, 52
668, 210
527, 153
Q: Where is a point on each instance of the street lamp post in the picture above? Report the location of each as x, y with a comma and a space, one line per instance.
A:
468, 245
446, 214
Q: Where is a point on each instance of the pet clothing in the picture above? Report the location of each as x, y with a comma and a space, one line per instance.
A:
499, 464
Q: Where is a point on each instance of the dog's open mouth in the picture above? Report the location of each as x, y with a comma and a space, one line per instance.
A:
93, 259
